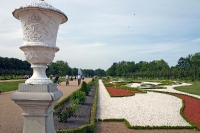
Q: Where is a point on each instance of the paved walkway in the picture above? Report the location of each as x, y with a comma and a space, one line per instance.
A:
11, 120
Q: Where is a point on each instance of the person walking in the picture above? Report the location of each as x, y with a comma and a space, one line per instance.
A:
79, 79
56, 80
67, 80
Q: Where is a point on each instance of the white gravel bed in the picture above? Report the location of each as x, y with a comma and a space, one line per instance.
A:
155, 83
134, 85
148, 109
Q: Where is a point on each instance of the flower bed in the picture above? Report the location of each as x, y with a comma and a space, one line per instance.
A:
117, 92
152, 109
192, 108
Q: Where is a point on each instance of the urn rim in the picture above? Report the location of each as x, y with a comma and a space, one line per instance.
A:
42, 6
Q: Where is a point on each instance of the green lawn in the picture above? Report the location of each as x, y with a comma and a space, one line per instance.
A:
193, 89
9, 86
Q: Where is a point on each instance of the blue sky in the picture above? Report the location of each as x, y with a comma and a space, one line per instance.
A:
101, 32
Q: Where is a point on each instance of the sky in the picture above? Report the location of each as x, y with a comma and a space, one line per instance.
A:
101, 32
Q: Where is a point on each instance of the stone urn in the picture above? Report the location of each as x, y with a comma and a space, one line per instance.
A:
37, 97
40, 22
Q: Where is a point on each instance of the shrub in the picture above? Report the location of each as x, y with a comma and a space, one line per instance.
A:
78, 96
84, 88
64, 113
90, 85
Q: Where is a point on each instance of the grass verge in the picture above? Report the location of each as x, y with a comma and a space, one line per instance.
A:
9, 86
192, 89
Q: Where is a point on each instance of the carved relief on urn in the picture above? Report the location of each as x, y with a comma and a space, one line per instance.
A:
40, 22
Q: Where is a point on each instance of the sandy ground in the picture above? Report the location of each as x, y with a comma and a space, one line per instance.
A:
11, 120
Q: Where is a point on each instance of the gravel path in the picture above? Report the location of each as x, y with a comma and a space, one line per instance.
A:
149, 109
11, 120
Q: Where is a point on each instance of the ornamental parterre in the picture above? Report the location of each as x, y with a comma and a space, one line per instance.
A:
191, 109
117, 92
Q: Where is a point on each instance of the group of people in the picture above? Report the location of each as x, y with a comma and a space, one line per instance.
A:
79, 77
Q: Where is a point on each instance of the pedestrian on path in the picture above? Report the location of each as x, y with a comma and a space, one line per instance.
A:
56, 80
67, 80
79, 79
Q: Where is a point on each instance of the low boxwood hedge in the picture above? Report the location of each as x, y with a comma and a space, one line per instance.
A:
88, 128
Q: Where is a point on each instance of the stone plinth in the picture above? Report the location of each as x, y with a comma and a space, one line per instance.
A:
37, 102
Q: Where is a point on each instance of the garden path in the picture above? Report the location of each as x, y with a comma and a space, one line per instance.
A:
11, 120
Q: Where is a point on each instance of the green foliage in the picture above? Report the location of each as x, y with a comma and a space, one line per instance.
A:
147, 127
13, 66
100, 72
79, 96
187, 68
59, 67
88, 128
84, 88
87, 72
63, 113
9, 86
167, 82
8, 77
90, 84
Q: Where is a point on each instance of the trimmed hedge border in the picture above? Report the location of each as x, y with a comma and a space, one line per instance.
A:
145, 127
88, 128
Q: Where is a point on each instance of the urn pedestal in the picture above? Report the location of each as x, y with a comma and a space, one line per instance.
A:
37, 97
37, 102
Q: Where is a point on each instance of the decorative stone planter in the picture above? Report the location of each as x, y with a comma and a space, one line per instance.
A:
40, 22
37, 97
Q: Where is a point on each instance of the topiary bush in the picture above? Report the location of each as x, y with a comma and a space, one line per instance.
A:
84, 88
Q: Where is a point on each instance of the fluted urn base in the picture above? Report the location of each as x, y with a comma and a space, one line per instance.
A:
39, 75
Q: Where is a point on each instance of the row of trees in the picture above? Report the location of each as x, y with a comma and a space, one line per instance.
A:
13, 66
186, 68
62, 68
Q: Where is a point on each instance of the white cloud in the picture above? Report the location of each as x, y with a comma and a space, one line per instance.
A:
101, 32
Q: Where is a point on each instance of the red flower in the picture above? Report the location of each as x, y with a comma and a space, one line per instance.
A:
192, 108
117, 92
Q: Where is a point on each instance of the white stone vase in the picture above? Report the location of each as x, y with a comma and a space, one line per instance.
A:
40, 22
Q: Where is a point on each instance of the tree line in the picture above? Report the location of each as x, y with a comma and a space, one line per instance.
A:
14, 66
187, 68
62, 68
